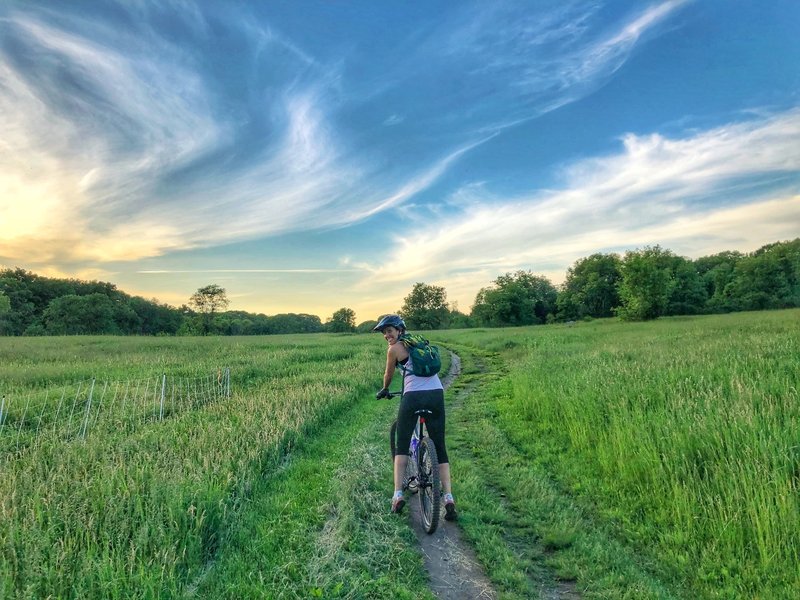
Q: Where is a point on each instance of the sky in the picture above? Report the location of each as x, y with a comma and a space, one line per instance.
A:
309, 156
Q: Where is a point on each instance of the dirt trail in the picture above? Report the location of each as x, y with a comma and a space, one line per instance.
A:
454, 570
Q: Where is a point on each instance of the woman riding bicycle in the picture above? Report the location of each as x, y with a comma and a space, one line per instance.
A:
418, 393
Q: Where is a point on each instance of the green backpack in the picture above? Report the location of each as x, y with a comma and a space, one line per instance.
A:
425, 359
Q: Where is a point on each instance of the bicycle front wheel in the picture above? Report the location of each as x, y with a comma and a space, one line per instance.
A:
430, 489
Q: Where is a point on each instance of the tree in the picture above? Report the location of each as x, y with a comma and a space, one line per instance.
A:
689, 295
295, 323
24, 310
81, 315
342, 321
30, 296
366, 326
5, 304
520, 298
717, 272
459, 320
591, 288
768, 278
155, 318
646, 283
208, 301
425, 307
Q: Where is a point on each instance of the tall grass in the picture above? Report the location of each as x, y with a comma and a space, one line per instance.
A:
140, 514
683, 432
679, 436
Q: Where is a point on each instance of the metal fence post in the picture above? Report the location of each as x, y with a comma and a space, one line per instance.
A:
163, 389
2, 413
58, 411
72, 412
24, 416
88, 410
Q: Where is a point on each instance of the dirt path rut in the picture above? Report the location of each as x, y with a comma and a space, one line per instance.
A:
455, 573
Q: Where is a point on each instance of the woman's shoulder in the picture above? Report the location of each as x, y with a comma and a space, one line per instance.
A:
398, 351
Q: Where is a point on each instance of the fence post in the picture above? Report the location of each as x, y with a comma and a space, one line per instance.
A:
58, 411
88, 410
24, 416
227, 382
163, 389
72, 412
41, 415
2, 413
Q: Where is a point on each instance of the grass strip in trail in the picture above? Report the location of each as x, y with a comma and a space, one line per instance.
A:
320, 525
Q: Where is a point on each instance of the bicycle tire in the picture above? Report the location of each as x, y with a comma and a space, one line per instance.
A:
430, 490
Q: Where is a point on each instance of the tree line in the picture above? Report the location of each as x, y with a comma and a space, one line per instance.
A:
31, 304
642, 284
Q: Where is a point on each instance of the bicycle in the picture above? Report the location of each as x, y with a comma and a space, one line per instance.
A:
422, 470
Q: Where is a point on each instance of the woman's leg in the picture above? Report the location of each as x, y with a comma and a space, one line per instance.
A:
444, 477
436, 429
400, 462
405, 427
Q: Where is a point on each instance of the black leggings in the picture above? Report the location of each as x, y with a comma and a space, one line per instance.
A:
432, 400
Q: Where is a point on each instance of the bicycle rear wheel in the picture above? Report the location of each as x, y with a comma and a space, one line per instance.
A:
430, 490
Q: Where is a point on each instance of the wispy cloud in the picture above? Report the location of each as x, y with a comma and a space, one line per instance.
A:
531, 62
394, 119
124, 145
733, 187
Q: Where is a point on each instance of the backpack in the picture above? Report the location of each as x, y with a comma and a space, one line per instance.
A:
425, 359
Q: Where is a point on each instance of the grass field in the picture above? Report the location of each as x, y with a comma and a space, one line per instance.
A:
676, 439
654, 460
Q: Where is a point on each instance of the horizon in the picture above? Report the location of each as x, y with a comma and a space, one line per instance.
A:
314, 157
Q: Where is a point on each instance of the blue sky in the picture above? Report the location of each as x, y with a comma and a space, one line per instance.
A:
309, 156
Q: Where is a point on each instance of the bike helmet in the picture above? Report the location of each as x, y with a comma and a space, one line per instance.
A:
393, 320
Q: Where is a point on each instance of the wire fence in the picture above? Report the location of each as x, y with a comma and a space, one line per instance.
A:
73, 411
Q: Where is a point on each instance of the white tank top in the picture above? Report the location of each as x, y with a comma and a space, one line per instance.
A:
414, 383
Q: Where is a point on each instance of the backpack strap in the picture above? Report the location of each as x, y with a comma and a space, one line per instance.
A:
409, 343
405, 369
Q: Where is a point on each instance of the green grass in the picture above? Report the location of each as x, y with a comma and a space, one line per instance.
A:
530, 534
677, 439
320, 527
142, 514
655, 460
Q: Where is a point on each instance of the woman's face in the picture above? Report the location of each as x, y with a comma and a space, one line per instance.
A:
390, 334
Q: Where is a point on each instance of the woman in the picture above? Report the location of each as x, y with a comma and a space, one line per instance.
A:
418, 392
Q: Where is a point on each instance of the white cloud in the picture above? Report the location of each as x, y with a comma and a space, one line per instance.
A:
673, 192
393, 119
113, 135
530, 62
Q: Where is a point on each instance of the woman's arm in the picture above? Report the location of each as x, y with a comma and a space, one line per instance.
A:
391, 360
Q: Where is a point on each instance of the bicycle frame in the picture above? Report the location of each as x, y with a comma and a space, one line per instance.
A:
417, 435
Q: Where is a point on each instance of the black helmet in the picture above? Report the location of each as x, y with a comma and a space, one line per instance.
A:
393, 320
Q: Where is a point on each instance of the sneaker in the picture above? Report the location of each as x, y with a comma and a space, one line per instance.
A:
450, 513
398, 502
